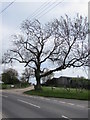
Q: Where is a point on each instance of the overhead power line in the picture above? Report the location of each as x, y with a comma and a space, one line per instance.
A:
40, 8
50, 9
7, 7
49, 4
45, 8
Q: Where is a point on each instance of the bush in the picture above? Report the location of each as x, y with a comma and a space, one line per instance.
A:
20, 85
25, 84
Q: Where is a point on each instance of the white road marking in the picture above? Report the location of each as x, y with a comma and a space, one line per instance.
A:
3, 96
47, 99
66, 117
62, 102
28, 103
80, 106
70, 103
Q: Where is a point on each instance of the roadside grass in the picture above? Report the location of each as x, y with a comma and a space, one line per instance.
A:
16, 86
61, 93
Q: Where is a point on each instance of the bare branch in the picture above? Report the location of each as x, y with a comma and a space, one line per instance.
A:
62, 41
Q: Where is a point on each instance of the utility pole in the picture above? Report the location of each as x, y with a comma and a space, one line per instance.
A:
89, 37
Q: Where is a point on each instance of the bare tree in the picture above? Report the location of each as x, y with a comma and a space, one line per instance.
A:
63, 42
28, 72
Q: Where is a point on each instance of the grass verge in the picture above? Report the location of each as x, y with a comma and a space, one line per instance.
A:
8, 86
61, 93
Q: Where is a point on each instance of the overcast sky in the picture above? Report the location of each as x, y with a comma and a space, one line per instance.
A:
12, 17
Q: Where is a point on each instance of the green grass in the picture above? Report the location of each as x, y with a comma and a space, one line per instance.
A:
7, 86
60, 93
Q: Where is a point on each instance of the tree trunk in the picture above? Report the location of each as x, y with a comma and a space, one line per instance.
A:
38, 84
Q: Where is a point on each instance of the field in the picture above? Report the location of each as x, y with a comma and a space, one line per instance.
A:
61, 93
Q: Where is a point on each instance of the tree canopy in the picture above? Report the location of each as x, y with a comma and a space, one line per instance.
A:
62, 41
10, 76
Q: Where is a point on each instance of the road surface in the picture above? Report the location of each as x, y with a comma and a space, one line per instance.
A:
24, 106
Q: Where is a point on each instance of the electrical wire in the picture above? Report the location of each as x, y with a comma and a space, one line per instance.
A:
7, 7
50, 9
47, 9
40, 8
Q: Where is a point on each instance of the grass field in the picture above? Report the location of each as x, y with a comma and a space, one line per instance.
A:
61, 93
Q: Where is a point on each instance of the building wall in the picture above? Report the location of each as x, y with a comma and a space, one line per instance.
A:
63, 81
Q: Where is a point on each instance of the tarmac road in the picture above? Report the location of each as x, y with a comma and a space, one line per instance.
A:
24, 106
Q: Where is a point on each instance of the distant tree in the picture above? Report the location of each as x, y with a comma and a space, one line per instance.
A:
22, 79
27, 74
62, 42
10, 76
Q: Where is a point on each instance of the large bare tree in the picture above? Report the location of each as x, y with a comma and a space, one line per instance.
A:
62, 42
